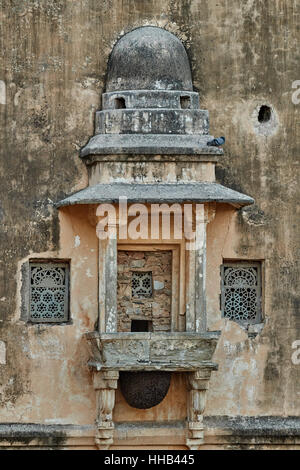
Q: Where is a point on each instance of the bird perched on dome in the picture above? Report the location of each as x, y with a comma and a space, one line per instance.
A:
216, 142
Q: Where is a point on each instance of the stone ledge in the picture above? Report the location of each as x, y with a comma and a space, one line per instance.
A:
253, 426
156, 193
155, 335
152, 351
153, 366
48, 435
222, 432
147, 158
149, 144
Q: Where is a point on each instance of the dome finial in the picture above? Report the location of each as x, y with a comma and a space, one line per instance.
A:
149, 58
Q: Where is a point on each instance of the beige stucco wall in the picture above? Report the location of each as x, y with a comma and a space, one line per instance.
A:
57, 383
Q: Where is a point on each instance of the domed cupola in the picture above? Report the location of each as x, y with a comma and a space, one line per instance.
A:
149, 106
149, 58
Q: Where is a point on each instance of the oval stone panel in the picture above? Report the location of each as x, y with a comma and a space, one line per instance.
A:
144, 389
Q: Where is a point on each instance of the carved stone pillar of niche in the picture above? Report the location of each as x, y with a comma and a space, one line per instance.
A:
105, 384
197, 387
107, 276
204, 215
196, 271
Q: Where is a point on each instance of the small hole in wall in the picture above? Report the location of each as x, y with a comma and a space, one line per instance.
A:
264, 114
120, 103
265, 120
185, 102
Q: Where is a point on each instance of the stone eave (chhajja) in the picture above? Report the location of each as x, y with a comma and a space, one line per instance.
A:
150, 144
156, 193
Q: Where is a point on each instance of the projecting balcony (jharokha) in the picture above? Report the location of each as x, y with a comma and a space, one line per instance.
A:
151, 148
174, 351
159, 287
142, 362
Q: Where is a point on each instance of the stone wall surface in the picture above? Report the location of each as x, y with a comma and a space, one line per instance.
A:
53, 61
156, 308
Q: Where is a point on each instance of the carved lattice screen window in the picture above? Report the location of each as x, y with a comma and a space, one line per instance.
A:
141, 284
241, 292
49, 292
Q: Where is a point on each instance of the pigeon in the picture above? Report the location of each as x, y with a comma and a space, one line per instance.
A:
216, 142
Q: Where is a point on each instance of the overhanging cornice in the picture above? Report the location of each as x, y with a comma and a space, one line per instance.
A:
157, 193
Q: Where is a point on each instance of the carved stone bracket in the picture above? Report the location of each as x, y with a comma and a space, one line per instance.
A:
105, 384
197, 387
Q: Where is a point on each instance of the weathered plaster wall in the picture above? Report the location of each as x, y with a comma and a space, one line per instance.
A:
49, 361
52, 72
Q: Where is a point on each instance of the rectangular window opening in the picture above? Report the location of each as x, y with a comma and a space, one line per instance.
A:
241, 292
49, 292
185, 102
120, 103
141, 325
141, 284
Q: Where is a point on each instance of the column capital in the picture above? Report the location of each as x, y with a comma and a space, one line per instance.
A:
199, 380
105, 380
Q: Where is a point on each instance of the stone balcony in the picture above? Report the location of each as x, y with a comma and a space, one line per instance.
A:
172, 351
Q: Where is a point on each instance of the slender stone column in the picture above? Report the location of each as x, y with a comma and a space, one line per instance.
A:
108, 281
196, 275
105, 384
190, 268
197, 386
200, 270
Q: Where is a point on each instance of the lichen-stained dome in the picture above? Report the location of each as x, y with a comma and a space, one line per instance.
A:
149, 58
149, 92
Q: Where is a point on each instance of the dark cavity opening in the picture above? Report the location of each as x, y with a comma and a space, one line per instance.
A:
144, 390
141, 325
264, 114
185, 102
120, 103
